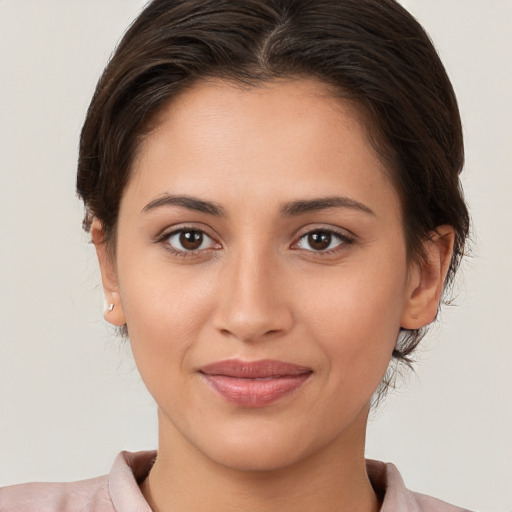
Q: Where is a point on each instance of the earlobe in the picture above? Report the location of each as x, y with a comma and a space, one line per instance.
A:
113, 312
426, 279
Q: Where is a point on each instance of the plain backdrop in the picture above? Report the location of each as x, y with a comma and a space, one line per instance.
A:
70, 396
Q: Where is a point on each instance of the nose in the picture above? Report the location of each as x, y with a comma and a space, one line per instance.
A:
253, 302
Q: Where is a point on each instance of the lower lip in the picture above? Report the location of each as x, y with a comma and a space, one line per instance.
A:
255, 392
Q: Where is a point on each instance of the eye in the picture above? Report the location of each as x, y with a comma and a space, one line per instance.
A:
189, 240
322, 241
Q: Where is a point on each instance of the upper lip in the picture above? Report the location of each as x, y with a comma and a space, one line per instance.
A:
265, 368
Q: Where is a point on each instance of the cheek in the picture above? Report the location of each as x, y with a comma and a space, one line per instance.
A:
165, 312
356, 319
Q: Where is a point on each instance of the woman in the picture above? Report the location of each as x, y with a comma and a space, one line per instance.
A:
272, 190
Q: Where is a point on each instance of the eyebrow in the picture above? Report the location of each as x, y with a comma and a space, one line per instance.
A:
299, 207
189, 202
291, 209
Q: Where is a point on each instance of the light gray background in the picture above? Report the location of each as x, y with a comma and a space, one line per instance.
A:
70, 397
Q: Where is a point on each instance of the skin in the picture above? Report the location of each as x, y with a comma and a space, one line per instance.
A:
257, 288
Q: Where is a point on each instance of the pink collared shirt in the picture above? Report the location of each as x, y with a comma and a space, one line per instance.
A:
119, 491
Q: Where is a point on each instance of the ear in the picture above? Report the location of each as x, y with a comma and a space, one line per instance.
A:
426, 279
114, 313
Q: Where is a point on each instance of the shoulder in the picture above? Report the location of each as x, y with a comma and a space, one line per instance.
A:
82, 496
388, 482
118, 491
430, 504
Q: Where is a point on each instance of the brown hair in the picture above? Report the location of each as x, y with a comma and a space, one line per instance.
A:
371, 51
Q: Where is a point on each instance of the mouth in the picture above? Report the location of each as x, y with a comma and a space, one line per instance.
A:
254, 383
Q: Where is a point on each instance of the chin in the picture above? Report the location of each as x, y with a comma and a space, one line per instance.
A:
252, 457
264, 449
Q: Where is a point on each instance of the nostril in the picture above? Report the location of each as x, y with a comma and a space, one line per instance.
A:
227, 332
251, 315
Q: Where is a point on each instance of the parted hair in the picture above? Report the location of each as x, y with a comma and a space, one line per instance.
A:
372, 52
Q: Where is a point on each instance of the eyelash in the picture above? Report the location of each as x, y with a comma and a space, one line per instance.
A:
164, 240
344, 239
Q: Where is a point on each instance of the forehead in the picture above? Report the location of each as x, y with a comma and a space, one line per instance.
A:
217, 100
283, 137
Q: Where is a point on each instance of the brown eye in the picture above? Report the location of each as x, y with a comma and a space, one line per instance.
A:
322, 241
189, 240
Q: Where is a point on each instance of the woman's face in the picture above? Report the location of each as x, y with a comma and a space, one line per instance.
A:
260, 227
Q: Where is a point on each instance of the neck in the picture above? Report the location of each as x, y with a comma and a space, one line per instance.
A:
183, 479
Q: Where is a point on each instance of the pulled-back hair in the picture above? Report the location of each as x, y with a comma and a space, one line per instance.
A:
372, 52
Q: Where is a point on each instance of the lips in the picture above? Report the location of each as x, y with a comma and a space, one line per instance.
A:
256, 383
